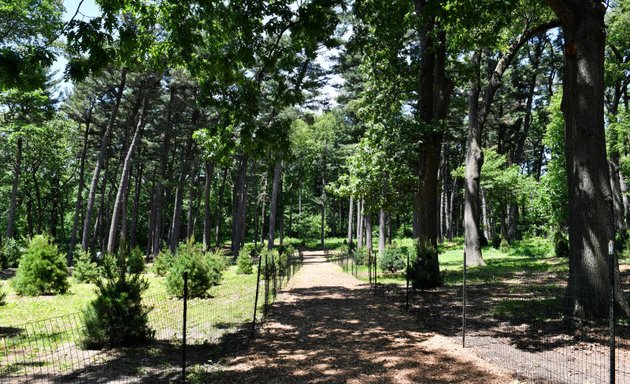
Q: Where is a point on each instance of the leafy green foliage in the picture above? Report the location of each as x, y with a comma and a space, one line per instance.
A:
117, 317
10, 253
244, 263
42, 269
85, 270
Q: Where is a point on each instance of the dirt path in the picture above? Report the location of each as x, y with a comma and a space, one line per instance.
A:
329, 328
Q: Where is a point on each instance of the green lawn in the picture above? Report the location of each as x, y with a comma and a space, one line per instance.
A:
525, 256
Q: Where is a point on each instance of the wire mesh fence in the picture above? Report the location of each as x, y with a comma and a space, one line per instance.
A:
52, 350
526, 320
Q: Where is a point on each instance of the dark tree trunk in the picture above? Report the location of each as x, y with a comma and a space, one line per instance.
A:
207, 188
14, 189
190, 215
101, 160
240, 199
368, 232
136, 206
275, 190
179, 192
591, 218
79, 202
360, 223
218, 217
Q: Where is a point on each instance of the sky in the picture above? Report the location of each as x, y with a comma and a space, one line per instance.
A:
88, 9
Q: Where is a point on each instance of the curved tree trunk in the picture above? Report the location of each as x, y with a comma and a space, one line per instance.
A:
124, 182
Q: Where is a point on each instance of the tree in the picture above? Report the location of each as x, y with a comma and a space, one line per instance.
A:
591, 218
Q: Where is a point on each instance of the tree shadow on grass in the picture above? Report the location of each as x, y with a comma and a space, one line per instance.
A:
159, 362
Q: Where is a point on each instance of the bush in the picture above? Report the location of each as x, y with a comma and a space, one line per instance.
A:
163, 262
244, 263
252, 250
424, 271
560, 245
135, 261
269, 263
203, 272
393, 259
117, 317
218, 261
42, 270
10, 253
360, 256
85, 270
504, 245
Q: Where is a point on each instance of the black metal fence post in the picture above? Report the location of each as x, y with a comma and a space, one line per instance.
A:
464, 305
184, 327
611, 308
256, 300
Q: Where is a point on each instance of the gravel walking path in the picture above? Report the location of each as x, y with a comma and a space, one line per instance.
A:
328, 327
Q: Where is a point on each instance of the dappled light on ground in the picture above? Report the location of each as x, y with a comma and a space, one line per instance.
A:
330, 328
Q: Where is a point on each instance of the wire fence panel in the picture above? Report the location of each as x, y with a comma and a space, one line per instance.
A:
50, 351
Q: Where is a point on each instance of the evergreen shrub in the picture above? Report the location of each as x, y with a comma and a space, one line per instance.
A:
393, 259
117, 317
244, 264
42, 269
85, 270
135, 261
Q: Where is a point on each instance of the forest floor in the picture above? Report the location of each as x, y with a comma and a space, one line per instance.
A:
329, 327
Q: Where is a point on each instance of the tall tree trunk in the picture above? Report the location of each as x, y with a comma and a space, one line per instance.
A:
359, 223
381, 232
488, 230
275, 190
240, 200
101, 159
474, 161
368, 232
14, 189
207, 188
218, 217
79, 202
591, 218
124, 182
350, 217
190, 215
133, 233
179, 192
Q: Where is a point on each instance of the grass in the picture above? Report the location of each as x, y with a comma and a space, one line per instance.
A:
39, 329
522, 258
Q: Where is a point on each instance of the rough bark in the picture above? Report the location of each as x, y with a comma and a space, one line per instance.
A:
133, 232
368, 233
101, 160
239, 208
591, 218
218, 217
